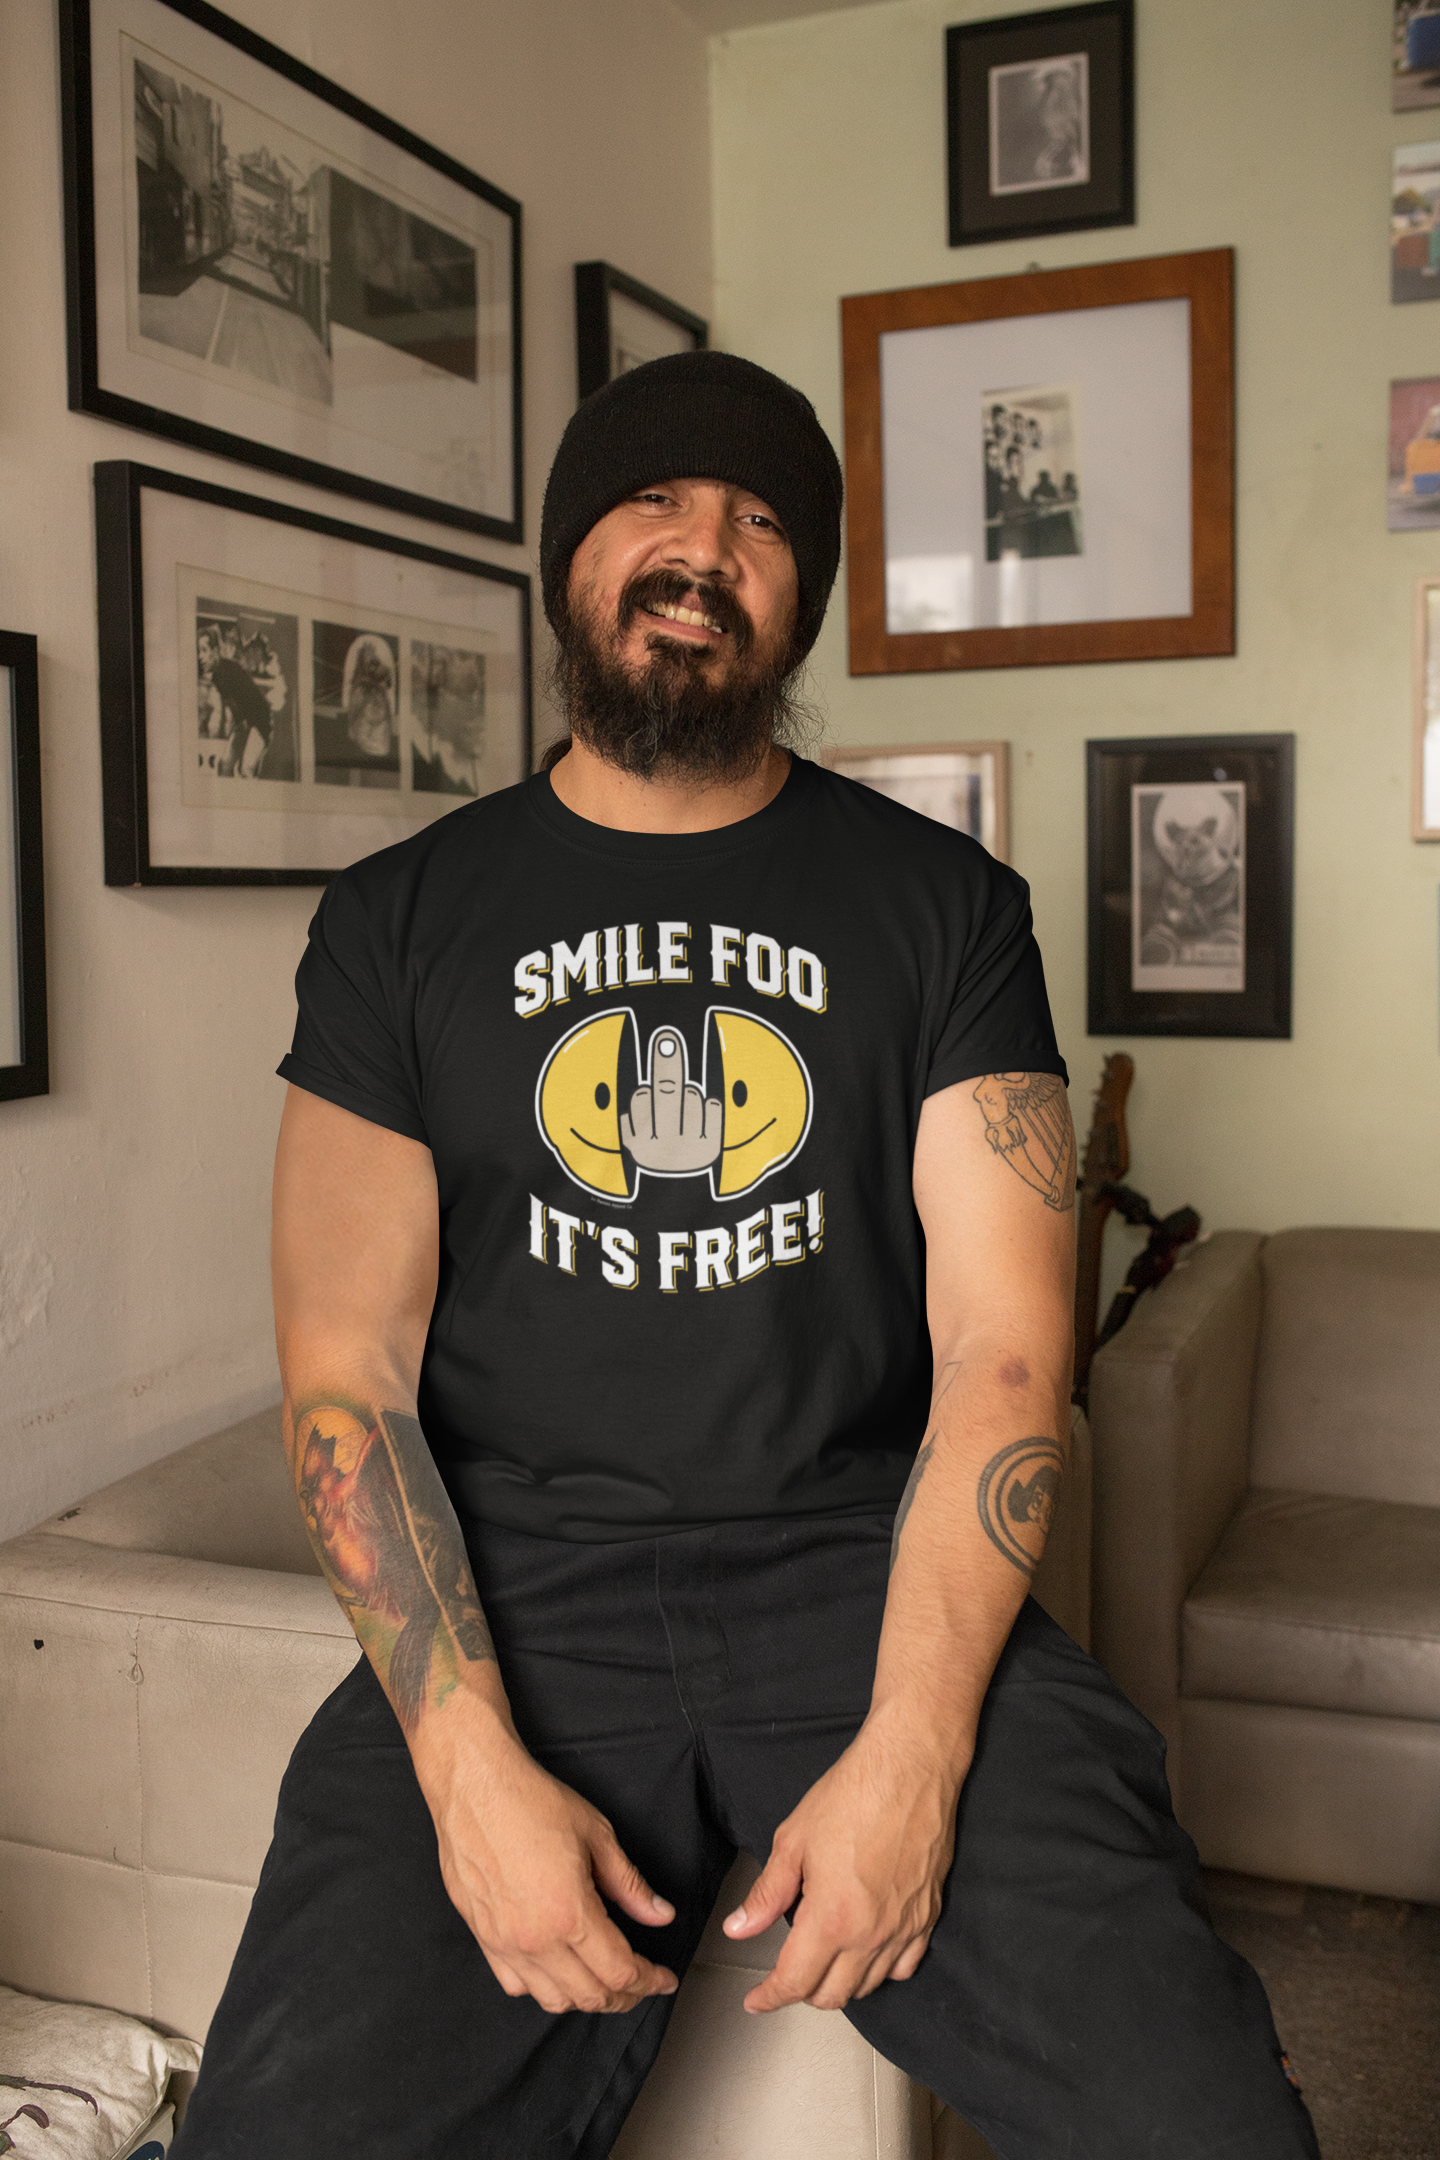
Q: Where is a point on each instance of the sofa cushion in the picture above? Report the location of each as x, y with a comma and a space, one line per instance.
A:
84, 2084
1347, 1376
1320, 1603
227, 1498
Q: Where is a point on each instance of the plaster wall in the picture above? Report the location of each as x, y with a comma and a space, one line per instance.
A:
134, 1199
1266, 128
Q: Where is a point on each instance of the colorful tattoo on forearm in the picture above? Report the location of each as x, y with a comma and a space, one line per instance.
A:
391, 1549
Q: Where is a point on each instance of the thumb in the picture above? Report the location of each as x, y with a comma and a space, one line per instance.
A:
621, 1881
773, 1892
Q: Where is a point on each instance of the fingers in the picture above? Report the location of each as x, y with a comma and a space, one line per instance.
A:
667, 1083
641, 1117
713, 1123
692, 1115
772, 1893
621, 1881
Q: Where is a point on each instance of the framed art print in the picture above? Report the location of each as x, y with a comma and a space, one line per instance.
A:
1425, 766
1414, 54
963, 785
24, 1052
261, 265
1041, 468
281, 693
620, 324
1190, 884
1041, 122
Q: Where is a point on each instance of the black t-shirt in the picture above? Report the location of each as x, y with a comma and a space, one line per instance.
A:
671, 1084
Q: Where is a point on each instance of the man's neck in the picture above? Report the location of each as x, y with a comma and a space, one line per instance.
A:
603, 795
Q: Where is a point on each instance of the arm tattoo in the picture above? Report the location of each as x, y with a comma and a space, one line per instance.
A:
907, 1498
1016, 1498
1027, 1123
391, 1549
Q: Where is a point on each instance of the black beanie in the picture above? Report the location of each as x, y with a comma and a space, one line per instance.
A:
698, 416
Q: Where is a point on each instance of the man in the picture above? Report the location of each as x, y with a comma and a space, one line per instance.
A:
642, 1120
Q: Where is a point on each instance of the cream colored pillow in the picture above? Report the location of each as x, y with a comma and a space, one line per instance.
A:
83, 2084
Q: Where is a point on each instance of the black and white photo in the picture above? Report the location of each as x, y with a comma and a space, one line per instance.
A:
1040, 124
447, 712
1032, 476
1190, 875
356, 710
963, 785
263, 266
247, 671
1187, 870
621, 323
329, 691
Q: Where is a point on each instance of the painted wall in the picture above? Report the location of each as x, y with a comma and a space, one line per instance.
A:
134, 1200
1266, 128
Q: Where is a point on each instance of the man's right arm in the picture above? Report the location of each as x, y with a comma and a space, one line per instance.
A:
525, 1860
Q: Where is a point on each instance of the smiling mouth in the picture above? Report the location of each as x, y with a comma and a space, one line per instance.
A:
745, 1143
596, 1145
666, 611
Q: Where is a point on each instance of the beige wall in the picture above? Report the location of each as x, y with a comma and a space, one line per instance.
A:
134, 1199
1264, 127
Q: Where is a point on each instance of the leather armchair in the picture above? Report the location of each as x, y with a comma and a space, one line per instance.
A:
1267, 1549
162, 1647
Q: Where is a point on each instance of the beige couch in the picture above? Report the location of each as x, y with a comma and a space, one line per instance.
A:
1267, 1549
162, 1646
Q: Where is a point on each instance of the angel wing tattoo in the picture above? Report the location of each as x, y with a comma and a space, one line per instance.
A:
1027, 1123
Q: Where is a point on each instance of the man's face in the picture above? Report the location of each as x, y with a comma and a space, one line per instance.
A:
681, 610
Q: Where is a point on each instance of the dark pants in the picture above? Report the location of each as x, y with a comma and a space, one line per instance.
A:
1072, 2003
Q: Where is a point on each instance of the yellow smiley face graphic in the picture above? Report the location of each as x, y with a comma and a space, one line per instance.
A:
762, 1081
586, 1082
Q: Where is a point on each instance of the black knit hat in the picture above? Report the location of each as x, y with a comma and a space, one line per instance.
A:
698, 416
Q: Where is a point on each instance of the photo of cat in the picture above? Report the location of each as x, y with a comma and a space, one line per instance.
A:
1187, 858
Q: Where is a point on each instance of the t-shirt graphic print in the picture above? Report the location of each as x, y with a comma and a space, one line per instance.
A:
681, 1274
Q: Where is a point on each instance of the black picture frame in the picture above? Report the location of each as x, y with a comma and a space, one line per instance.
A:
595, 285
88, 393
996, 145
121, 600
1264, 765
19, 659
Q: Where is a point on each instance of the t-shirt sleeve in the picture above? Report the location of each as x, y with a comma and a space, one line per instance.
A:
999, 1017
349, 1045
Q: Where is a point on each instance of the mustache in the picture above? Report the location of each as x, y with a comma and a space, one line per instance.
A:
651, 590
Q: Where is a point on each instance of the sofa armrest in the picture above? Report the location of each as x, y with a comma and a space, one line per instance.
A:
1170, 1420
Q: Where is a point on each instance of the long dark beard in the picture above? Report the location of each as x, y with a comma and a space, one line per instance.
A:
670, 719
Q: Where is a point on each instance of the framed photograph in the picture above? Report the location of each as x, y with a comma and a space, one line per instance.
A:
24, 1046
1415, 223
1425, 769
260, 265
620, 323
1415, 54
1190, 884
1041, 468
1041, 122
281, 693
963, 785
1412, 489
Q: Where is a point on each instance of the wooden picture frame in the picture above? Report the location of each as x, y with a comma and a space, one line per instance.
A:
1425, 729
925, 775
1040, 115
282, 693
272, 270
620, 323
24, 1038
1190, 885
1135, 361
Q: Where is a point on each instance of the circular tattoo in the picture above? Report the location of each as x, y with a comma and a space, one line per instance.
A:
1016, 1498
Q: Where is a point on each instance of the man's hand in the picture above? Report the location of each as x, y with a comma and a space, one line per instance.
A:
867, 1852
670, 1125
526, 1863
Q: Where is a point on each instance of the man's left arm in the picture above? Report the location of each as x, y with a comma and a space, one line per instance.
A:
869, 1847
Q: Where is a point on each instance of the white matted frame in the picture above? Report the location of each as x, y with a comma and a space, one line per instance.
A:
1425, 768
963, 785
260, 264
281, 693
